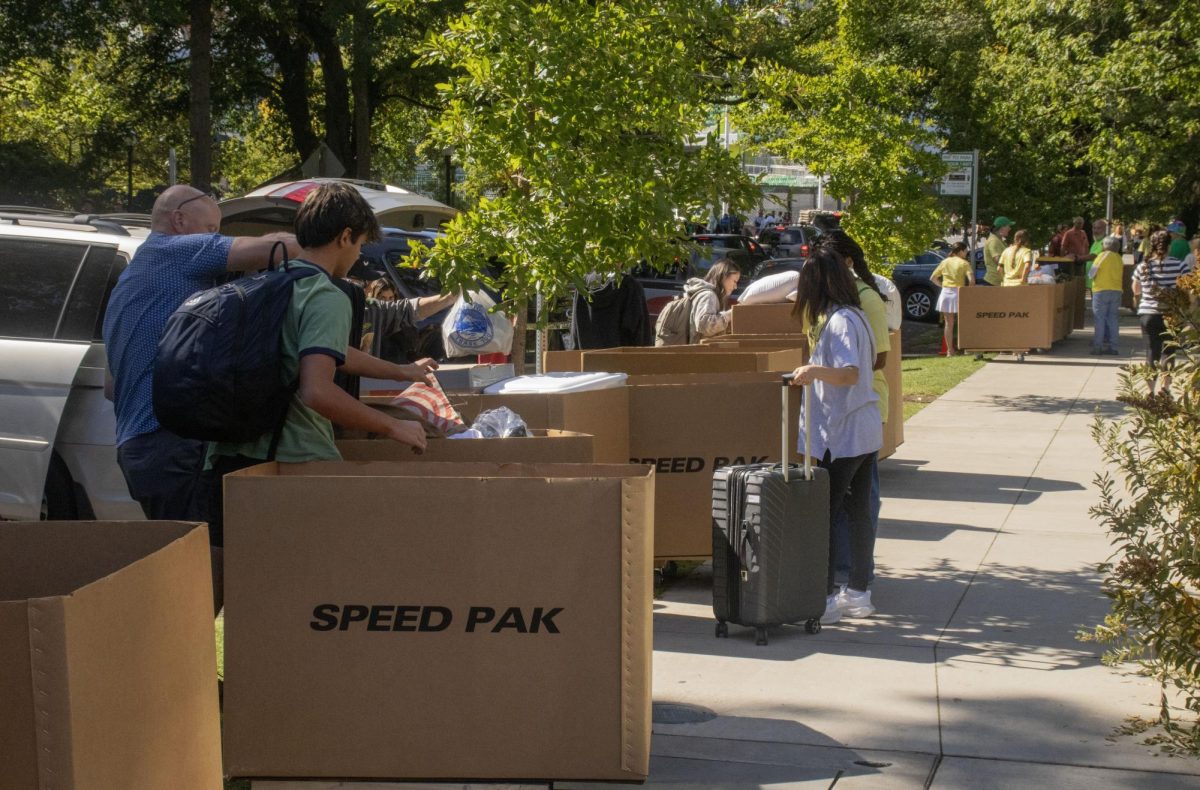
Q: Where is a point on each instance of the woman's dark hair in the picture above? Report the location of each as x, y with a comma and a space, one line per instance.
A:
840, 242
825, 284
1160, 243
330, 209
716, 278
957, 247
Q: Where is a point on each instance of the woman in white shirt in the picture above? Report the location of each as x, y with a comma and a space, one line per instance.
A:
846, 426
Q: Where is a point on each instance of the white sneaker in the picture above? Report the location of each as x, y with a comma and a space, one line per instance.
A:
853, 603
833, 611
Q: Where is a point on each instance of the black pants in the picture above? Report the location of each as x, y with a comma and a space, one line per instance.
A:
164, 473
850, 492
222, 465
1159, 348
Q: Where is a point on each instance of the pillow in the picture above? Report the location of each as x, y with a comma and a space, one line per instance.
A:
773, 288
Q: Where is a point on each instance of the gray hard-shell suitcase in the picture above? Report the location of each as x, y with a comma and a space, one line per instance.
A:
771, 541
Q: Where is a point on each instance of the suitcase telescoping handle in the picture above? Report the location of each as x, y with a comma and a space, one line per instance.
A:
788, 378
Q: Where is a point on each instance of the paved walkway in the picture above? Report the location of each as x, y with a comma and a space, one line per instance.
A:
970, 673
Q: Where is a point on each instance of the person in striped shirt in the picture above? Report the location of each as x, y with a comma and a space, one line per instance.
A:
1153, 278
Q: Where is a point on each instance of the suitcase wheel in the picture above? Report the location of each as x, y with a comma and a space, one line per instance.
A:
760, 636
813, 626
722, 630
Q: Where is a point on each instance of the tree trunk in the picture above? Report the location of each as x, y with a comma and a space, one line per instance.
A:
336, 84
518, 344
200, 96
293, 92
360, 85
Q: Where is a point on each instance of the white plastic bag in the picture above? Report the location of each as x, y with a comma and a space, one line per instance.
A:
472, 327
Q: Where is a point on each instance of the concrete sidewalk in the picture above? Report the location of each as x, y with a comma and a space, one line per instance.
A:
970, 673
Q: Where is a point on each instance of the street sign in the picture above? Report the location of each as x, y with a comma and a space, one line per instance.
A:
961, 175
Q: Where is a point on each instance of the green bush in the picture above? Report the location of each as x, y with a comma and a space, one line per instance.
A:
1150, 505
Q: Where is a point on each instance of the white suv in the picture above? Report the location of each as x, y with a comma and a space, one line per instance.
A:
58, 457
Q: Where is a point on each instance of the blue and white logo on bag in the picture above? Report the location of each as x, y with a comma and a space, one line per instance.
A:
472, 327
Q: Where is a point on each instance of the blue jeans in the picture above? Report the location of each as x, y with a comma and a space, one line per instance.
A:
1105, 305
840, 533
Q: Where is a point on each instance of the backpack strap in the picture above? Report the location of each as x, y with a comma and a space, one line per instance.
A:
293, 388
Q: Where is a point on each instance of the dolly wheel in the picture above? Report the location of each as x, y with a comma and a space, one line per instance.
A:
760, 636
813, 626
979, 357
722, 630
1020, 357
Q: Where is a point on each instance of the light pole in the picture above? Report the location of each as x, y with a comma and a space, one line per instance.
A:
130, 139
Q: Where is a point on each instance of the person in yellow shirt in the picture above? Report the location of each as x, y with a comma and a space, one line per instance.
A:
993, 248
1015, 261
1106, 273
952, 273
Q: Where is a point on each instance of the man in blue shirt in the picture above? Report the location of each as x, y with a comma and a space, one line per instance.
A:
182, 255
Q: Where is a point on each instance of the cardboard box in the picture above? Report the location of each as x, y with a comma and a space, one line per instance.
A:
690, 359
108, 667
472, 378
563, 361
1064, 309
758, 319
893, 429
1010, 318
545, 446
759, 343
602, 414
687, 425
452, 636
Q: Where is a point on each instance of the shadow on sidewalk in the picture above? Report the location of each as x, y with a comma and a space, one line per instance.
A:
933, 531
1008, 615
1050, 404
903, 478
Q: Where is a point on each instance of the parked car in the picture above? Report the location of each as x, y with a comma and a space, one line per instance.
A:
793, 241
918, 294
742, 250
58, 456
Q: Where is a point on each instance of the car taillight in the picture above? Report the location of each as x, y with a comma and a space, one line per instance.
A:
804, 250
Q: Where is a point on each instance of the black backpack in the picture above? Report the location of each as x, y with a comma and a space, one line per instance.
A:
218, 370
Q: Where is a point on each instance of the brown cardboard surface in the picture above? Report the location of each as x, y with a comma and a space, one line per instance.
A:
515, 703
1064, 309
563, 361
760, 342
117, 688
545, 446
690, 359
757, 319
602, 414
1007, 318
685, 426
893, 428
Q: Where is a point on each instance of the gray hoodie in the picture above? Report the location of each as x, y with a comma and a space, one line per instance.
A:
707, 317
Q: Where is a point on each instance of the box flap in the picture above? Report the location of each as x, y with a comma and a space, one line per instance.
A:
436, 469
49, 665
18, 733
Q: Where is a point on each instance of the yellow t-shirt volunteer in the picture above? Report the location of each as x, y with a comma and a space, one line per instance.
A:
954, 272
1012, 262
993, 248
1109, 267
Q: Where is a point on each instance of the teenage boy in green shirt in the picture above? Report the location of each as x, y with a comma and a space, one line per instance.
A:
331, 226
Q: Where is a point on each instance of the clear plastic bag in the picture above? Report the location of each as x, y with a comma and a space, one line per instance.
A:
500, 423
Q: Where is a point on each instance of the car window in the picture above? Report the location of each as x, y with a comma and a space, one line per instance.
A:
35, 278
791, 237
84, 316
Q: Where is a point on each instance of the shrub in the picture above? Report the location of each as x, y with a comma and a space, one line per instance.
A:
1150, 504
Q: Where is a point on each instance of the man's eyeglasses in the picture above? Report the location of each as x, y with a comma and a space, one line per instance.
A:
208, 195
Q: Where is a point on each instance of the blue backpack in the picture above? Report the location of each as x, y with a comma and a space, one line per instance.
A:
218, 370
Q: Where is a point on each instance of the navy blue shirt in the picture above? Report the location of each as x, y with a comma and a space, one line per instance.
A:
164, 272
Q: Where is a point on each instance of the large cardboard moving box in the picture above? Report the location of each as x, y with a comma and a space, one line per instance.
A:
686, 426
690, 359
602, 414
1007, 318
759, 319
545, 447
108, 667
893, 429
493, 622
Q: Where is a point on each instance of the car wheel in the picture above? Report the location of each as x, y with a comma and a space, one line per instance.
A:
58, 498
919, 305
